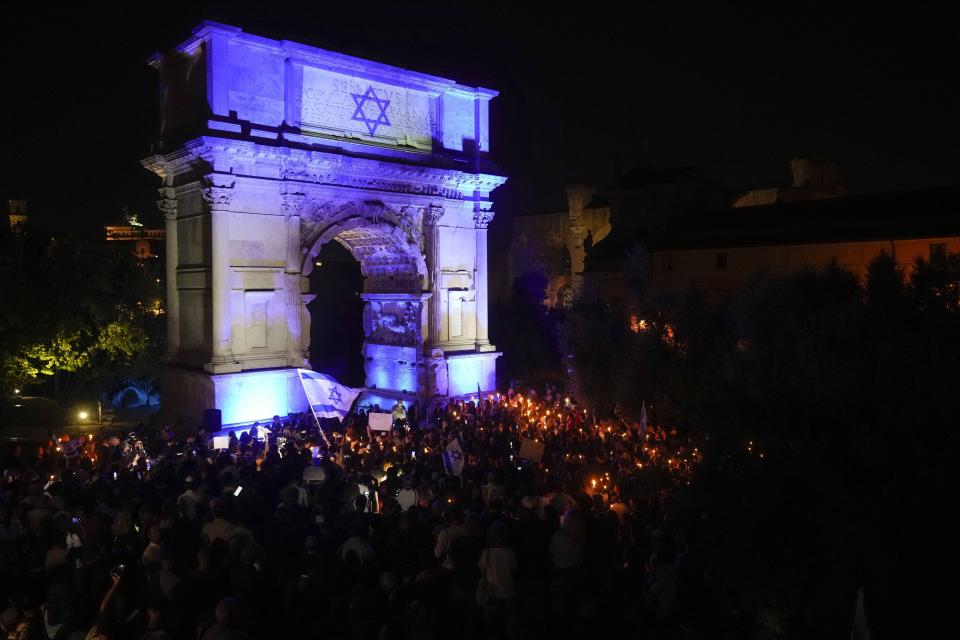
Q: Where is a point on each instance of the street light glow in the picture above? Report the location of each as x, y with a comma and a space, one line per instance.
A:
82, 415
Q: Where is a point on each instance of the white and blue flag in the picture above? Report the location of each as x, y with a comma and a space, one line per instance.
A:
327, 397
453, 458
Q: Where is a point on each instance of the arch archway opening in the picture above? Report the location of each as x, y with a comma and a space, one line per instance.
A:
336, 330
368, 317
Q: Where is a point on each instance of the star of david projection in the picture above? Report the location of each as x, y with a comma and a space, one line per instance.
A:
361, 99
335, 395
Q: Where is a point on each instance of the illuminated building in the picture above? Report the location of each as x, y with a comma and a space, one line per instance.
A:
589, 239
145, 241
555, 244
272, 149
721, 252
693, 231
810, 180
17, 213
672, 204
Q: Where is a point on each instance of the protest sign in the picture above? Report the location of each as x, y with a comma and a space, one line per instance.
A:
380, 421
531, 450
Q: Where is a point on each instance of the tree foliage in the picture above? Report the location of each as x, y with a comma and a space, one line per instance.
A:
846, 386
526, 332
75, 312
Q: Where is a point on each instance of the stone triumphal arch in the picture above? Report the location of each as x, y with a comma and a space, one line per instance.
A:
269, 150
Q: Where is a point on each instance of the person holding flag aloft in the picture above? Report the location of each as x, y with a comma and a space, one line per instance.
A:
453, 456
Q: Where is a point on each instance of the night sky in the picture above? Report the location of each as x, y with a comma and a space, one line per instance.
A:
583, 92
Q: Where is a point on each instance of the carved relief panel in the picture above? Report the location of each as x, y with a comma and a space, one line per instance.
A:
393, 322
257, 317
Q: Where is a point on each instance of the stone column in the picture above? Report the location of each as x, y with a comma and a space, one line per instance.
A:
431, 229
218, 199
168, 207
305, 324
481, 218
292, 277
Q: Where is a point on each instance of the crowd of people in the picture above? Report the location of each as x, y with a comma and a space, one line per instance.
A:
494, 517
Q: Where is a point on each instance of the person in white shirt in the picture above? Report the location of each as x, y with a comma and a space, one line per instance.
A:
189, 500
408, 496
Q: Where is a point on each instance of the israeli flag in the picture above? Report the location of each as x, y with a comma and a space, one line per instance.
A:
453, 458
327, 397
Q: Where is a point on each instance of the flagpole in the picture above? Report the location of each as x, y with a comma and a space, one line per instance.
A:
319, 428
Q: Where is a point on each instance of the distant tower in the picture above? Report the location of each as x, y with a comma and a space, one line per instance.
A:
17, 213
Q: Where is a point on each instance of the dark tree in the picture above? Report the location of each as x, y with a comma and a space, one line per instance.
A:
526, 331
829, 407
76, 312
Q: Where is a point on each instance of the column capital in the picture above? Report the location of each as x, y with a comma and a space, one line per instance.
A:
432, 214
291, 200
167, 203
482, 216
217, 196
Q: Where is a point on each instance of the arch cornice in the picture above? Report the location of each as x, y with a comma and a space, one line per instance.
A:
337, 169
